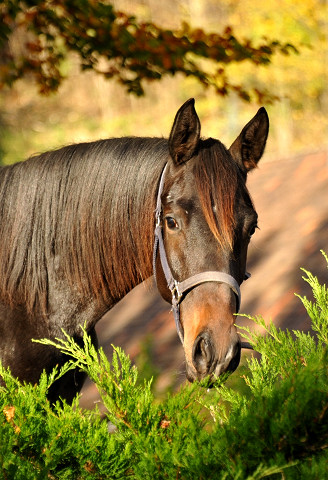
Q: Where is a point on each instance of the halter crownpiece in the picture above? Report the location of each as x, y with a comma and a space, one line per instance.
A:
178, 289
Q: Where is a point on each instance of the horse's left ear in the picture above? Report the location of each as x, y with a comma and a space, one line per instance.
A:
249, 146
185, 133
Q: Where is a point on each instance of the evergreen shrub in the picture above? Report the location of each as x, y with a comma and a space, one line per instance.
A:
275, 427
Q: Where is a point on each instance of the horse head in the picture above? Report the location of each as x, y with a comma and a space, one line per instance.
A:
205, 222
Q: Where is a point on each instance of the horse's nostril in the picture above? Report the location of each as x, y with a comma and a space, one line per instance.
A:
202, 354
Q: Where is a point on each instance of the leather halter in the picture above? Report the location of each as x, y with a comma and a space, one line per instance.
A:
178, 289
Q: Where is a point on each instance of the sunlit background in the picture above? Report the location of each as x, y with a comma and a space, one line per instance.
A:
290, 188
88, 107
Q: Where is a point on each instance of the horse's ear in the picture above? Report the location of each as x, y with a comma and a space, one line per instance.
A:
249, 146
185, 133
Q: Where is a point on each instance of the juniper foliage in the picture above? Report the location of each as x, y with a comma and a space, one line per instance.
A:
275, 427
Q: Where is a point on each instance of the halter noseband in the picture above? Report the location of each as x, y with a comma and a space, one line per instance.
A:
178, 289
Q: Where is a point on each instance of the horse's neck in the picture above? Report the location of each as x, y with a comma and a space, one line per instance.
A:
98, 245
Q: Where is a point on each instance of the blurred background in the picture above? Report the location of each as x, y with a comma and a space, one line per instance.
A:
289, 189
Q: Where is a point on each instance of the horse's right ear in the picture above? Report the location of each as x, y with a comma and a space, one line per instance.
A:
249, 146
185, 133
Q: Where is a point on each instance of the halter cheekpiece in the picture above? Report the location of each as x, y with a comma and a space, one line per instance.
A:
179, 289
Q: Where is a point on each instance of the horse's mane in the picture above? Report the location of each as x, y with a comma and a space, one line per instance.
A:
87, 211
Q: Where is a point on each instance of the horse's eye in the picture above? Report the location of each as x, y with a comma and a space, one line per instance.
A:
171, 223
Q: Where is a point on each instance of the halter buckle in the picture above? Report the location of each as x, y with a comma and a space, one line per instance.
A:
176, 294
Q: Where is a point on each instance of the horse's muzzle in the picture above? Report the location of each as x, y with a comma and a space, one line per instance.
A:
206, 362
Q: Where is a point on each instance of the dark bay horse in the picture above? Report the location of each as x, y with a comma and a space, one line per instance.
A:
77, 230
